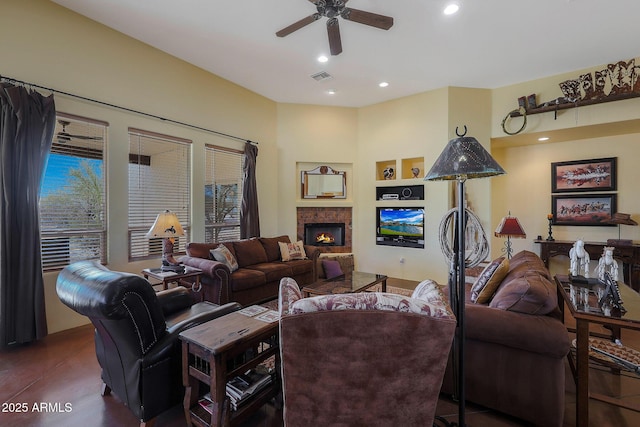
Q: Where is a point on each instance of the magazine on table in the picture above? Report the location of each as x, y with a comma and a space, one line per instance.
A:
269, 316
253, 310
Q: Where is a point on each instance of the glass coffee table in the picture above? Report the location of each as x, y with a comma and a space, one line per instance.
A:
356, 281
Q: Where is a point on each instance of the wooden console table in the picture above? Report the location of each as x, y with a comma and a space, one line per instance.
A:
629, 255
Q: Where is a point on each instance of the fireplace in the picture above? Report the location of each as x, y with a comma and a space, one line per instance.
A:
324, 233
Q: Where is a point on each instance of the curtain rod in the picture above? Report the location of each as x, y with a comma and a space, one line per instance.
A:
164, 119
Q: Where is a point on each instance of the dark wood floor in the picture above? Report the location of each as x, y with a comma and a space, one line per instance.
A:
62, 372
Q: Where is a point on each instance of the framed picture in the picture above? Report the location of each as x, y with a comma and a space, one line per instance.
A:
584, 175
587, 209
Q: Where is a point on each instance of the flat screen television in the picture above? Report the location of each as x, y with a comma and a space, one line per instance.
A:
400, 226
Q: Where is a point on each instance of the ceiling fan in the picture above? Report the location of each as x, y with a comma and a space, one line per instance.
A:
332, 9
63, 136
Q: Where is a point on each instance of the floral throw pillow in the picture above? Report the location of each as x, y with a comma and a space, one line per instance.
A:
292, 251
223, 255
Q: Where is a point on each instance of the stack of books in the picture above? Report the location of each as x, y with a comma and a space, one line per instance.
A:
240, 389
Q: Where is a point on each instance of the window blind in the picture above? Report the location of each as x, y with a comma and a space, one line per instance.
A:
72, 203
159, 179
223, 193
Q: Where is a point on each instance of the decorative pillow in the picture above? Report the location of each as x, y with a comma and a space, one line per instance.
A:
331, 268
292, 251
533, 293
489, 280
224, 255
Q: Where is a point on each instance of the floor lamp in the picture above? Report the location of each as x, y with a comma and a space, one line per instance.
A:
463, 158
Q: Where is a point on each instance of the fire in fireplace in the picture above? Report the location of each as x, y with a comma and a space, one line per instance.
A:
324, 234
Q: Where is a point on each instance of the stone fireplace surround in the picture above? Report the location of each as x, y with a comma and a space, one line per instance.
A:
327, 215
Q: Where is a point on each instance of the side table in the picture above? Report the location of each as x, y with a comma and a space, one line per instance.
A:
588, 312
218, 350
190, 278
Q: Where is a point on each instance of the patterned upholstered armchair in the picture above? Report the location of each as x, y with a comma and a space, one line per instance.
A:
374, 359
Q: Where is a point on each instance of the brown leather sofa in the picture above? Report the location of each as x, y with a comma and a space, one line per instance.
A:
516, 345
260, 269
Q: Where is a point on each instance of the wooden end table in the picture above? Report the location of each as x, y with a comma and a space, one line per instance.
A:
218, 350
356, 281
190, 278
586, 314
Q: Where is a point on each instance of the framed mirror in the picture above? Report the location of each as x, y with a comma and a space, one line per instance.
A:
324, 182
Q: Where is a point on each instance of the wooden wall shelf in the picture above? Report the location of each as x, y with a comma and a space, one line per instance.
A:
581, 103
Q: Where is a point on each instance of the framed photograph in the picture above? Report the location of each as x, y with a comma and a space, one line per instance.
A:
584, 175
587, 209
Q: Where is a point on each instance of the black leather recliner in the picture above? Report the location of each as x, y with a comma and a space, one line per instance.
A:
136, 332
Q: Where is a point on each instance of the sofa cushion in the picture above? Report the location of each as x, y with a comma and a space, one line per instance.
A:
300, 266
273, 271
249, 252
489, 280
272, 248
331, 268
531, 293
245, 278
223, 255
523, 262
200, 250
291, 251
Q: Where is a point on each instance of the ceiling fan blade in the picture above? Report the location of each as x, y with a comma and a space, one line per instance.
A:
298, 24
335, 43
367, 18
67, 136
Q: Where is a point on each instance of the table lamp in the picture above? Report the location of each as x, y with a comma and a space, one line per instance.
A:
168, 227
463, 158
509, 227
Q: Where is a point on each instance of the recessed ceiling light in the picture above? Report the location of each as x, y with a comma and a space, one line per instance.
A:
331, 92
383, 84
451, 8
543, 138
322, 58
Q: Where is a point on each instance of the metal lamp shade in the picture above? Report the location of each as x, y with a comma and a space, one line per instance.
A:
463, 158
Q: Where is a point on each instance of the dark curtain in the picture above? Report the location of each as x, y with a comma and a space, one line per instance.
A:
249, 221
27, 122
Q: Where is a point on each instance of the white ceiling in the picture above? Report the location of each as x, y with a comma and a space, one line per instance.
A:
487, 44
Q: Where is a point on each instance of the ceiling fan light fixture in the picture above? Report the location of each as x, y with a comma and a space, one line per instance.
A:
332, 9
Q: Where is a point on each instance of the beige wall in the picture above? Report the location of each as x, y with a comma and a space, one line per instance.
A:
43, 43
415, 126
313, 135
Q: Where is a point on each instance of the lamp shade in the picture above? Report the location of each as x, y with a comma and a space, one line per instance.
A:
510, 227
166, 225
463, 158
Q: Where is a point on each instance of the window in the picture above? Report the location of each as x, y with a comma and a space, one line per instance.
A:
222, 194
159, 173
72, 202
